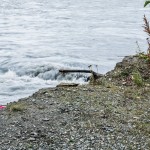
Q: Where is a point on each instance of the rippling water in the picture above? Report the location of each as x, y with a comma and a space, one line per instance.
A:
37, 37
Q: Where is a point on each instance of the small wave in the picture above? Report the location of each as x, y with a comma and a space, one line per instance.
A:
15, 86
8, 75
50, 73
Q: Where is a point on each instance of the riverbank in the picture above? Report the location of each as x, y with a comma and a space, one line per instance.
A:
110, 113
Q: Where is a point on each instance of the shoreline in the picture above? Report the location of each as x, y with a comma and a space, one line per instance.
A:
109, 113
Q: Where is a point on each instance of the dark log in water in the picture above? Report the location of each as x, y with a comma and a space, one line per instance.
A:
73, 71
95, 75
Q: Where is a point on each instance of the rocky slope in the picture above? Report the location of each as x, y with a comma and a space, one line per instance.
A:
112, 113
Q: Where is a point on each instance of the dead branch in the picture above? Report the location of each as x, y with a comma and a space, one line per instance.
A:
146, 26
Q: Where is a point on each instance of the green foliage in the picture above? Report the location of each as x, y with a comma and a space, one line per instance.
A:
145, 56
137, 78
14, 107
147, 3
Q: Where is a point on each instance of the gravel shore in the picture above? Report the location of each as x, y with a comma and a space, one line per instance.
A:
88, 117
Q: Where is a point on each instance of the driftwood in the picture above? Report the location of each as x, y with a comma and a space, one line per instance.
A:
94, 74
67, 85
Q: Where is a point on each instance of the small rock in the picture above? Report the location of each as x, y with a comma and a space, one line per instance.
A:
31, 139
34, 134
45, 119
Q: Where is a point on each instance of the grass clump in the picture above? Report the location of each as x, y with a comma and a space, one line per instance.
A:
15, 107
137, 78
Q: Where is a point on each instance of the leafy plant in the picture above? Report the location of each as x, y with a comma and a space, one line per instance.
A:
146, 3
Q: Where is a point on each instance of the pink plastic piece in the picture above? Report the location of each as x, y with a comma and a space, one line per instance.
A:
2, 107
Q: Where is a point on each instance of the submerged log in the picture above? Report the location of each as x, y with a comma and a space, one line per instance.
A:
94, 74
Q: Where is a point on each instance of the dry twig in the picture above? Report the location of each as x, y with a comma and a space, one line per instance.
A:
147, 30
146, 26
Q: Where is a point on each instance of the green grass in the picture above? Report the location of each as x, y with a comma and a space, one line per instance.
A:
15, 107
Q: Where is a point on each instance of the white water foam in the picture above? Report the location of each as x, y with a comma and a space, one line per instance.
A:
15, 87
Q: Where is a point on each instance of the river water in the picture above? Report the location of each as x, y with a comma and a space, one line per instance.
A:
38, 37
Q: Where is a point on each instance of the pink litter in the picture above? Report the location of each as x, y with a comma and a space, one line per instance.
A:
2, 107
